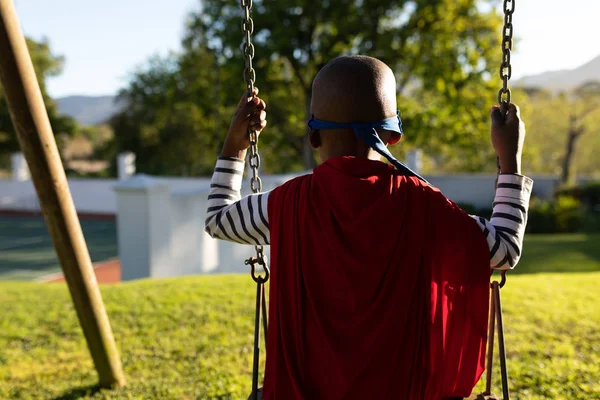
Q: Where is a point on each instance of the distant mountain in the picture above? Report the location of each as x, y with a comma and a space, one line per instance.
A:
564, 79
88, 110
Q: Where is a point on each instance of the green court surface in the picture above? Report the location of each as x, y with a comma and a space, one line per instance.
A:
27, 253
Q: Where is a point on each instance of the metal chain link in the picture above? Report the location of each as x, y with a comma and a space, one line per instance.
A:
254, 159
256, 185
506, 67
248, 47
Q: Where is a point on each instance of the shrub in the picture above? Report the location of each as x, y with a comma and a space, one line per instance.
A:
564, 214
591, 222
588, 193
540, 219
485, 213
468, 208
568, 214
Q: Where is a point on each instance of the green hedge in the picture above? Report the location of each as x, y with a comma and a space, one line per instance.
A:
588, 194
562, 215
468, 208
573, 209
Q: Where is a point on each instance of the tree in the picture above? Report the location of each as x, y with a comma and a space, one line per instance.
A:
441, 50
169, 116
562, 131
177, 108
586, 101
46, 65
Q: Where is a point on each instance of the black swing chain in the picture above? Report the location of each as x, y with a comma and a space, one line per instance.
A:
256, 187
506, 67
505, 74
254, 158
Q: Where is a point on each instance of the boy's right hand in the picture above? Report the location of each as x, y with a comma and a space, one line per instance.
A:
508, 136
250, 113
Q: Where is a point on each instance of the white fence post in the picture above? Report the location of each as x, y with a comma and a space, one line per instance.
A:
19, 168
125, 165
414, 160
144, 229
193, 250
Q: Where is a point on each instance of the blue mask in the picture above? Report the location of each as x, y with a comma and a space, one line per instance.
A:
368, 134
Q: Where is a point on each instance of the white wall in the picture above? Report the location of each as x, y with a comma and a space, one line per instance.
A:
191, 247
19, 167
161, 220
143, 229
148, 208
478, 189
89, 195
97, 196
18, 195
94, 195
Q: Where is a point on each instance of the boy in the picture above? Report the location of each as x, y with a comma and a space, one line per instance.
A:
379, 284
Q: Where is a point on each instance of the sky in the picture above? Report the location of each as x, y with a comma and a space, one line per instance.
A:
104, 41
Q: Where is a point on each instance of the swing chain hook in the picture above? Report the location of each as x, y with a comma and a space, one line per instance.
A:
254, 158
506, 67
261, 260
502, 278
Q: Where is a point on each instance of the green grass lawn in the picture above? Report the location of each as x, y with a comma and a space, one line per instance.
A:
191, 338
560, 253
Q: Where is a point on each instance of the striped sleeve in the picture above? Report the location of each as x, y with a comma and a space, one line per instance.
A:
505, 231
228, 215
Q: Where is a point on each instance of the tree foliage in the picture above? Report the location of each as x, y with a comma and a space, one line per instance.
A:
171, 116
554, 120
46, 65
443, 53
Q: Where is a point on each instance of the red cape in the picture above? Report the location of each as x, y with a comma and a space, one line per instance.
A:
379, 288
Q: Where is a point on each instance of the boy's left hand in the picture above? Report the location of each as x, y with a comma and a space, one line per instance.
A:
249, 114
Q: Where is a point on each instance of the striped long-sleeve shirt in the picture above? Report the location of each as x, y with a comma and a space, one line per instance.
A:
245, 220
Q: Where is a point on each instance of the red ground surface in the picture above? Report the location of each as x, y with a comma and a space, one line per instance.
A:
107, 272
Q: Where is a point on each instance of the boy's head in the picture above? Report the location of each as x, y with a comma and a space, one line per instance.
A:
357, 89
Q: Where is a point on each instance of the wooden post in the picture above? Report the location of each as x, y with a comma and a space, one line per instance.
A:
34, 132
